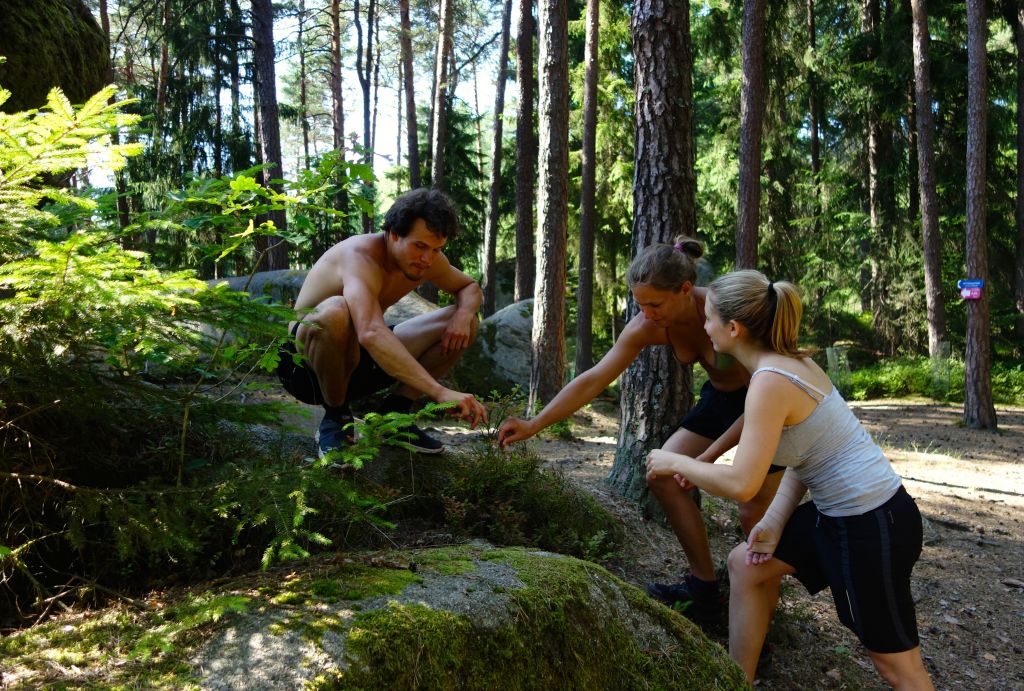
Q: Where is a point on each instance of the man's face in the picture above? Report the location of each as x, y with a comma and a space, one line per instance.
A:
416, 252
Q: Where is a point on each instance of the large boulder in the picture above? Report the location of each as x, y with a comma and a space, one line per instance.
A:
499, 360
50, 43
282, 287
473, 617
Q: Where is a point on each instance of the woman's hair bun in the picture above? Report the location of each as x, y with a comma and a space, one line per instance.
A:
689, 245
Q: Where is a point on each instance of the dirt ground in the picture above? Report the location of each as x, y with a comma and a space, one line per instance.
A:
968, 584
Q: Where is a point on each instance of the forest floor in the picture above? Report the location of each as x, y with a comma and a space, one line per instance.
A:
968, 583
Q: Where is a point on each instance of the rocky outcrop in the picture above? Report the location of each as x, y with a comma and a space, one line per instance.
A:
50, 43
470, 617
283, 287
499, 360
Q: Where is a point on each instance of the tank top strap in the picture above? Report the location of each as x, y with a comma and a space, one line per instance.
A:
807, 387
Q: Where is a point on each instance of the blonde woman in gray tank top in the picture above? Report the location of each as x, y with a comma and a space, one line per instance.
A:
860, 533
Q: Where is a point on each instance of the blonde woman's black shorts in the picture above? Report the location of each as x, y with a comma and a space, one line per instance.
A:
866, 560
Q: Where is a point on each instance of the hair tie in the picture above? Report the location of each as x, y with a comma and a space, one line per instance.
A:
678, 247
771, 287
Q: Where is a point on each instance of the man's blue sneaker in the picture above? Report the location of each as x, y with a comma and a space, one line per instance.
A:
419, 440
331, 436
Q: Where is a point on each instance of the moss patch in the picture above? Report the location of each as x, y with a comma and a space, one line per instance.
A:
562, 636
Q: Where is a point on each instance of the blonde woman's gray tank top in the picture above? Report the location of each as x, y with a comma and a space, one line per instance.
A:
834, 456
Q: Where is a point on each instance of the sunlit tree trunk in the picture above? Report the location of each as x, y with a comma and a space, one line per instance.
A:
548, 370
752, 107
276, 256
979, 410
120, 185
525, 265
588, 210
656, 388
410, 97
494, 196
930, 234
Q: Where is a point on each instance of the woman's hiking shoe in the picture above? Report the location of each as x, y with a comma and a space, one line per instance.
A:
419, 440
698, 600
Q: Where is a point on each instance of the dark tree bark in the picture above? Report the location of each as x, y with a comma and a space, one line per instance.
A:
656, 388
364, 73
588, 210
814, 106
444, 40
337, 99
979, 411
410, 97
1016, 20
303, 99
548, 370
931, 239
276, 252
494, 197
752, 106
525, 265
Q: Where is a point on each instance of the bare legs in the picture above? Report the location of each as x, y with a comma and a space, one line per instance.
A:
903, 670
685, 517
753, 594
332, 346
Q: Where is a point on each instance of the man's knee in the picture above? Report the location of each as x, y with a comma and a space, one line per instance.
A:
330, 321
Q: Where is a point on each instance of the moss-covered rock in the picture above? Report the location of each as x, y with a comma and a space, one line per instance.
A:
468, 617
50, 43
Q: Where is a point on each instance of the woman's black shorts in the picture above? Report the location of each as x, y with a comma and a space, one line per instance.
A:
866, 560
715, 412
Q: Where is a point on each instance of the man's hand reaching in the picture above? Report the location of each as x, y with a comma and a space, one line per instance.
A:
466, 407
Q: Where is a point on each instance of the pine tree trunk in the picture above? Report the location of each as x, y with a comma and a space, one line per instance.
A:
548, 370
337, 99
303, 101
364, 73
410, 98
814, 107
276, 256
979, 411
656, 388
494, 197
931, 238
588, 210
444, 39
525, 265
1018, 31
752, 106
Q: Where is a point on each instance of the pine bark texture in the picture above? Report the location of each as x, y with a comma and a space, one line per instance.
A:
276, 256
412, 134
656, 389
930, 234
525, 263
548, 369
337, 100
1018, 292
444, 39
752, 107
588, 207
979, 411
814, 108
364, 73
494, 195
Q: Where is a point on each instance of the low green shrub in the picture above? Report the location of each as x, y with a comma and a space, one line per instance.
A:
909, 376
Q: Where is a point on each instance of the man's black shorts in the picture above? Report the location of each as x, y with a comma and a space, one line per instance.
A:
300, 380
866, 561
715, 412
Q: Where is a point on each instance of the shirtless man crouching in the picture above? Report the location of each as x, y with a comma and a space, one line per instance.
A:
351, 353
